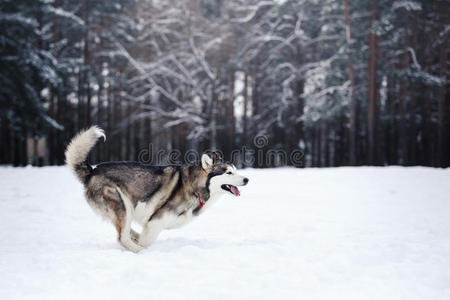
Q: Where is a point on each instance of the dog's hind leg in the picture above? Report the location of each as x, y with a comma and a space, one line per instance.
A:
123, 225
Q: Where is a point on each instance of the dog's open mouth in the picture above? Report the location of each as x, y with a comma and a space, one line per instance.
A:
232, 189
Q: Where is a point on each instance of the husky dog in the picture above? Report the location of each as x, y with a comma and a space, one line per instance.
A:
157, 197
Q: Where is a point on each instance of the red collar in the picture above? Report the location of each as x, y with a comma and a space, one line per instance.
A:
200, 200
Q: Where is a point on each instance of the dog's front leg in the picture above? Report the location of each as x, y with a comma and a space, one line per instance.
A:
150, 232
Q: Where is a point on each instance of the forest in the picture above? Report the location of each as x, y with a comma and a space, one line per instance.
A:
347, 83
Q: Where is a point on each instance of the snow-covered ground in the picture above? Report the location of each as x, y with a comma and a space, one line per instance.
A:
342, 233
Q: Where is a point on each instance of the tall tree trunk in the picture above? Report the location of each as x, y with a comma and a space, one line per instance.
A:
137, 131
318, 146
299, 127
230, 110
100, 110
326, 142
402, 97
7, 146
16, 153
414, 146
147, 128
51, 133
109, 117
128, 130
100, 79
372, 87
80, 119
429, 139
422, 89
441, 102
118, 119
392, 108
87, 62
35, 161
213, 141
352, 120
52, 142
24, 147
314, 151
245, 117
65, 118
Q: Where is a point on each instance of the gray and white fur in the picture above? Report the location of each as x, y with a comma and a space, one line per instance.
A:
157, 197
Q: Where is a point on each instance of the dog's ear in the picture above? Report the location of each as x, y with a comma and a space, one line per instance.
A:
216, 157
207, 162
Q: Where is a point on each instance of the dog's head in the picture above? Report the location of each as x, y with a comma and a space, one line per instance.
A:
222, 177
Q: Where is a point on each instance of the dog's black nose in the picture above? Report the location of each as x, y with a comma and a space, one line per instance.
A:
245, 180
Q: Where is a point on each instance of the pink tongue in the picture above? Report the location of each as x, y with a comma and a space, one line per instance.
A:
235, 190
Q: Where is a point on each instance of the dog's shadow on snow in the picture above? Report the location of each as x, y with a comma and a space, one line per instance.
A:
176, 244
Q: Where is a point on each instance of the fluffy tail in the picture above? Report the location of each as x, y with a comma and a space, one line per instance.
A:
79, 148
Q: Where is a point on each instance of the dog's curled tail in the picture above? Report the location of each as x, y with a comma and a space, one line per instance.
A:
79, 148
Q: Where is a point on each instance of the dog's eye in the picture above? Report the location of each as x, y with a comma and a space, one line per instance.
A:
229, 173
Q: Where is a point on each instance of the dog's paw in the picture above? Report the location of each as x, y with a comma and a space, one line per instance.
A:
130, 245
135, 248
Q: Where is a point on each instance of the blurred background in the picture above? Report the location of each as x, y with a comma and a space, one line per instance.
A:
345, 82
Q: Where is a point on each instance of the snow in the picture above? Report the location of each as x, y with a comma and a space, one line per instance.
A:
338, 233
